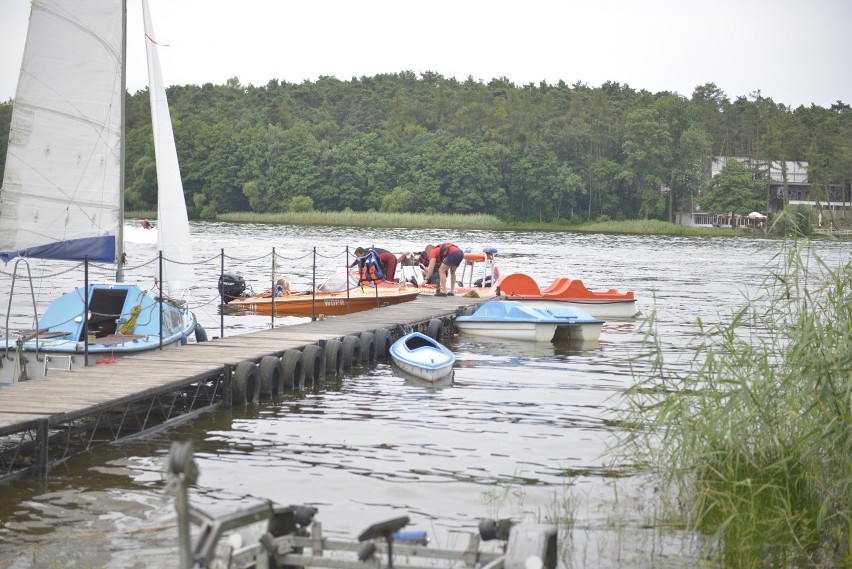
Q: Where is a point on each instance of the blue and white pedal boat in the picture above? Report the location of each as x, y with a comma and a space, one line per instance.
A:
513, 320
423, 357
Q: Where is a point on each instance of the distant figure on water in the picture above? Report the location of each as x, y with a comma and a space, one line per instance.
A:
145, 224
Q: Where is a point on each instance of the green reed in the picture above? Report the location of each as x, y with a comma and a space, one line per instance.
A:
654, 227
141, 214
755, 442
350, 218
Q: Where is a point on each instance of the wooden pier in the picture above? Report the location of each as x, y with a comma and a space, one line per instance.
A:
44, 422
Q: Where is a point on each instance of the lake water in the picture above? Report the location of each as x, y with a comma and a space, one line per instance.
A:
521, 432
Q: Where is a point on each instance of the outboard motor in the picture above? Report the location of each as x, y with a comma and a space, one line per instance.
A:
231, 286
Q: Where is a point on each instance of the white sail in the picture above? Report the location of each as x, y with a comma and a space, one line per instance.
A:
172, 222
61, 190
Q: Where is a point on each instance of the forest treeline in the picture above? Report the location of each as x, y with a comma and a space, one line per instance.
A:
411, 142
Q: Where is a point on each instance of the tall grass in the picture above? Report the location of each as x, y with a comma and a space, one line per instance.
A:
350, 218
755, 442
653, 227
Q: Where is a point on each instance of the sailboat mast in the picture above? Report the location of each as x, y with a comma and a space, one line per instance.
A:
119, 246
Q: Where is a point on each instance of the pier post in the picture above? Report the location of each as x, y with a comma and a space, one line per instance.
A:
42, 434
226, 386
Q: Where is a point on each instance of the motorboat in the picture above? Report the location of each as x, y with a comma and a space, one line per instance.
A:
423, 357
514, 321
563, 291
340, 294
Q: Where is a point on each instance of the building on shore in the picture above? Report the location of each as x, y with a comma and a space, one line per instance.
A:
836, 205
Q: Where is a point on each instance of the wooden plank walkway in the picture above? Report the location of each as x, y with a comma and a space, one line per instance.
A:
78, 395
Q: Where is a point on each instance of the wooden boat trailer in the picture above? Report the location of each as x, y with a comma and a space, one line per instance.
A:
293, 540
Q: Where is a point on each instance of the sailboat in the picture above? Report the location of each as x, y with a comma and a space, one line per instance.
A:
62, 194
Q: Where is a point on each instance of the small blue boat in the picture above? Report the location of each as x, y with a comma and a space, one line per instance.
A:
423, 357
513, 320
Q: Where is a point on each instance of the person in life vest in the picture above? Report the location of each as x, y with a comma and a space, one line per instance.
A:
387, 261
448, 257
145, 224
282, 287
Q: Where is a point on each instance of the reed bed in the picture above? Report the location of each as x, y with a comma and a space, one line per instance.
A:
141, 214
369, 219
350, 218
754, 443
652, 227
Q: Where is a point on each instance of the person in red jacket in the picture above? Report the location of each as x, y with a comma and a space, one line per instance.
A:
448, 257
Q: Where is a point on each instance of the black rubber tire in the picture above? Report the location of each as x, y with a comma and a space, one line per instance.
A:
368, 347
383, 342
469, 310
435, 329
487, 530
292, 370
351, 351
244, 384
269, 376
333, 357
313, 359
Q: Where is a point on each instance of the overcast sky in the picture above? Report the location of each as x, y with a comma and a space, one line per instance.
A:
795, 52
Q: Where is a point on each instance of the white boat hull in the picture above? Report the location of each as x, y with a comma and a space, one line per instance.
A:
581, 333
430, 375
527, 331
512, 320
606, 310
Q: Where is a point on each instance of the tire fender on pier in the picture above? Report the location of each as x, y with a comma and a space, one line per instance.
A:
334, 357
269, 376
313, 359
368, 347
435, 329
383, 342
351, 351
244, 383
292, 370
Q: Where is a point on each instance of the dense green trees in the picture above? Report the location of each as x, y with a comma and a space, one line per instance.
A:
402, 142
